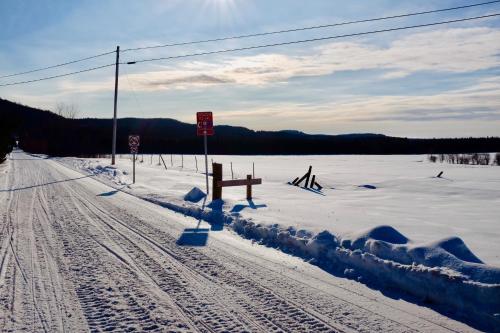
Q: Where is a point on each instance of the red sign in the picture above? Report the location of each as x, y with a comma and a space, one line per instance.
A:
205, 123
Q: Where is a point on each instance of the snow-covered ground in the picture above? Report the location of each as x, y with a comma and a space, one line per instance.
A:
383, 220
402, 192
78, 256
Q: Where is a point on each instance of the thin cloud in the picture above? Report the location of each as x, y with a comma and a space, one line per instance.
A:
460, 50
479, 102
452, 50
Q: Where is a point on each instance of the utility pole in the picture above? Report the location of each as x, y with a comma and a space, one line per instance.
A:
113, 151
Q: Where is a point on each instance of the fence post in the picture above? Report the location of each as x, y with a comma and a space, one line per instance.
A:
249, 188
196, 161
232, 174
216, 177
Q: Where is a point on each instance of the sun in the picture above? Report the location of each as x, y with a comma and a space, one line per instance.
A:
224, 11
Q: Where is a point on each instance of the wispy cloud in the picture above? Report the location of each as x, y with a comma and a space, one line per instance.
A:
451, 50
459, 50
480, 102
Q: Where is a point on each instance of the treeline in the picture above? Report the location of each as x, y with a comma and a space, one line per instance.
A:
472, 159
45, 132
7, 126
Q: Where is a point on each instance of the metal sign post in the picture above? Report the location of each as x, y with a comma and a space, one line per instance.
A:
133, 169
205, 127
133, 143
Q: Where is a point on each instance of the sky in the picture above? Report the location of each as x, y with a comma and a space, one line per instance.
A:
439, 81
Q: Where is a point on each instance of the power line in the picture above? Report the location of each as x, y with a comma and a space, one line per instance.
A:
313, 39
59, 65
313, 27
56, 76
258, 47
257, 34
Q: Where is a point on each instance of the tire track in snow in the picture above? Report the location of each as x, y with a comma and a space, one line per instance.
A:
111, 297
273, 308
213, 311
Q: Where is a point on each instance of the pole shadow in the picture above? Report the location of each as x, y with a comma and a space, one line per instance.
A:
238, 208
193, 237
44, 184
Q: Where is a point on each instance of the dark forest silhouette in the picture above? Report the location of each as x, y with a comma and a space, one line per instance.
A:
45, 132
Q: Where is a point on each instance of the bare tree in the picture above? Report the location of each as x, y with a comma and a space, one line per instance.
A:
70, 111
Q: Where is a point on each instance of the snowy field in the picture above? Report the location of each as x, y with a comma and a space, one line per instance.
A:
359, 193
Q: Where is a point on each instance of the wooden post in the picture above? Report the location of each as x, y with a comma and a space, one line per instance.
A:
216, 177
306, 176
196, 161
163, 162
232, 174
249, 188
182, 161
253, 169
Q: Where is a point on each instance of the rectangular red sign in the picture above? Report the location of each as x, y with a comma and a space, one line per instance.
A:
204, 123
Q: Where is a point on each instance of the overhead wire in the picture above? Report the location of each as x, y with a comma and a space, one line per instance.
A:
247, 48
312, 27
312, 39
258, 34
56, 76
59, 65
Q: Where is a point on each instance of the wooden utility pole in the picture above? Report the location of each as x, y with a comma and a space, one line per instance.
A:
113, 150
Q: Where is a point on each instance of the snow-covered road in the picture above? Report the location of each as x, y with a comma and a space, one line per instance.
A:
76, 256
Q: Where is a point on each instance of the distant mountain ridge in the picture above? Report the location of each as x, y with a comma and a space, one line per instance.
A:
45, 132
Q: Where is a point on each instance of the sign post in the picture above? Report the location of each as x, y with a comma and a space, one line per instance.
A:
133, 143
205, 127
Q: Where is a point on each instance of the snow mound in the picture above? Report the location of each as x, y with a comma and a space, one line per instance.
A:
194, 195
387, 243
457, 247
320, 244
382, 233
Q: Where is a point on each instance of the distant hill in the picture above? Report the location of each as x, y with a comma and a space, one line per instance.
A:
45, 132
